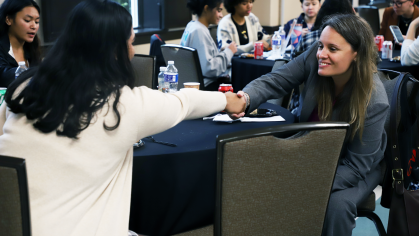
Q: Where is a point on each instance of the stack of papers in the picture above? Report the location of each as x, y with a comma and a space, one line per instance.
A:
226, 118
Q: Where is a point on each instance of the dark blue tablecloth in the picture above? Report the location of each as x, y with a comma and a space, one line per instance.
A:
244, 70
173, 188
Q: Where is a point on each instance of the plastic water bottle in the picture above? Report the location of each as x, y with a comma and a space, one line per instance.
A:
160, 79
22, 67
171, 77
283, 39
275, 44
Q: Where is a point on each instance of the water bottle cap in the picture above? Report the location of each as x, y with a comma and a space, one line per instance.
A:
171, 62
162, 68
22, 63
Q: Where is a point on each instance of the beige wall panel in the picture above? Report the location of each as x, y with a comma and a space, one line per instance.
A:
290, 9
275, 14
261, 10
145, 48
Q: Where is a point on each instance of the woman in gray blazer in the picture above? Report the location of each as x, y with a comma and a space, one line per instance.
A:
340, 85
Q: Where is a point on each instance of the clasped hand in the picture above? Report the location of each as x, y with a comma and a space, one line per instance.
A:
236, 105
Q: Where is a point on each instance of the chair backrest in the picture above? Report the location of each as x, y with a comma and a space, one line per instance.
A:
144, 69
213, 33
371, 15
186, 61
284, 101
155, 43
276, 180
14, 198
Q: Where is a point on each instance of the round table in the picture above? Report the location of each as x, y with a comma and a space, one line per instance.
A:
173, 188
244, 70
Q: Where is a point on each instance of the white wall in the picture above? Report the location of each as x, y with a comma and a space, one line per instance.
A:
268, 12
290, 9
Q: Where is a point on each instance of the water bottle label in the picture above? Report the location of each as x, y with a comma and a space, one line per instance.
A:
173, 78
275, 42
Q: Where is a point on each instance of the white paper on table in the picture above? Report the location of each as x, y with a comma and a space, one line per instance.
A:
223, 118
226, 118
264, 119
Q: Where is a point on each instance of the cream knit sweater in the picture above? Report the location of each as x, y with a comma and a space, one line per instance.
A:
82, 186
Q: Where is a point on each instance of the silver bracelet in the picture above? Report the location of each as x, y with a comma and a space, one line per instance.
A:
247, 98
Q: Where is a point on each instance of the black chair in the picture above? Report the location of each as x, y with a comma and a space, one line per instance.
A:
213, 32
155, 43
144, 69
14, 198
262, 185
186, 61
372, 16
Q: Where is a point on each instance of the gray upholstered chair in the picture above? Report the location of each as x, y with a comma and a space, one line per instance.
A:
264, 175
186, 61
14, 198
144, 69
284, 101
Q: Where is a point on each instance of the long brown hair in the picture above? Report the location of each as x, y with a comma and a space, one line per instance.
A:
354, 99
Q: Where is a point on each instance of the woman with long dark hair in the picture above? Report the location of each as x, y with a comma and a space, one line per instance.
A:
76, 117
18, 38
340, 85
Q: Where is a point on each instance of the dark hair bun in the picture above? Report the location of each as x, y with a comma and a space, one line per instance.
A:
194, 6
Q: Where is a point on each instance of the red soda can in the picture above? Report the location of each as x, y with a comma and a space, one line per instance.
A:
225, 88
379, 40
258, 50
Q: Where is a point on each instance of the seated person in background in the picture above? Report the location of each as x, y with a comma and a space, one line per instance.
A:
307, 18
340, 85
75, 120
18, 39
328, 8
196, 35
241, 26
410, 46
401, 14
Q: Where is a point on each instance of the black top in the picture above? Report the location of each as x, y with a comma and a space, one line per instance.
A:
8, 64
242, 31
404, 26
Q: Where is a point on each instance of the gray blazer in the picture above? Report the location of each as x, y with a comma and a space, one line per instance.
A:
359, 158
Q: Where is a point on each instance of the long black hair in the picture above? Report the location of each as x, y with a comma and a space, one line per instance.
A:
9, 8
197, 6
88, 65
331, 7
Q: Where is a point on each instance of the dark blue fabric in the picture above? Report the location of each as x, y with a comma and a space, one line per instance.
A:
245, 70
155, 50
173, 188
397, 66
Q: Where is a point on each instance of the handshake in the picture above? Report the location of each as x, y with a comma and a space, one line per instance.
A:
236, 104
